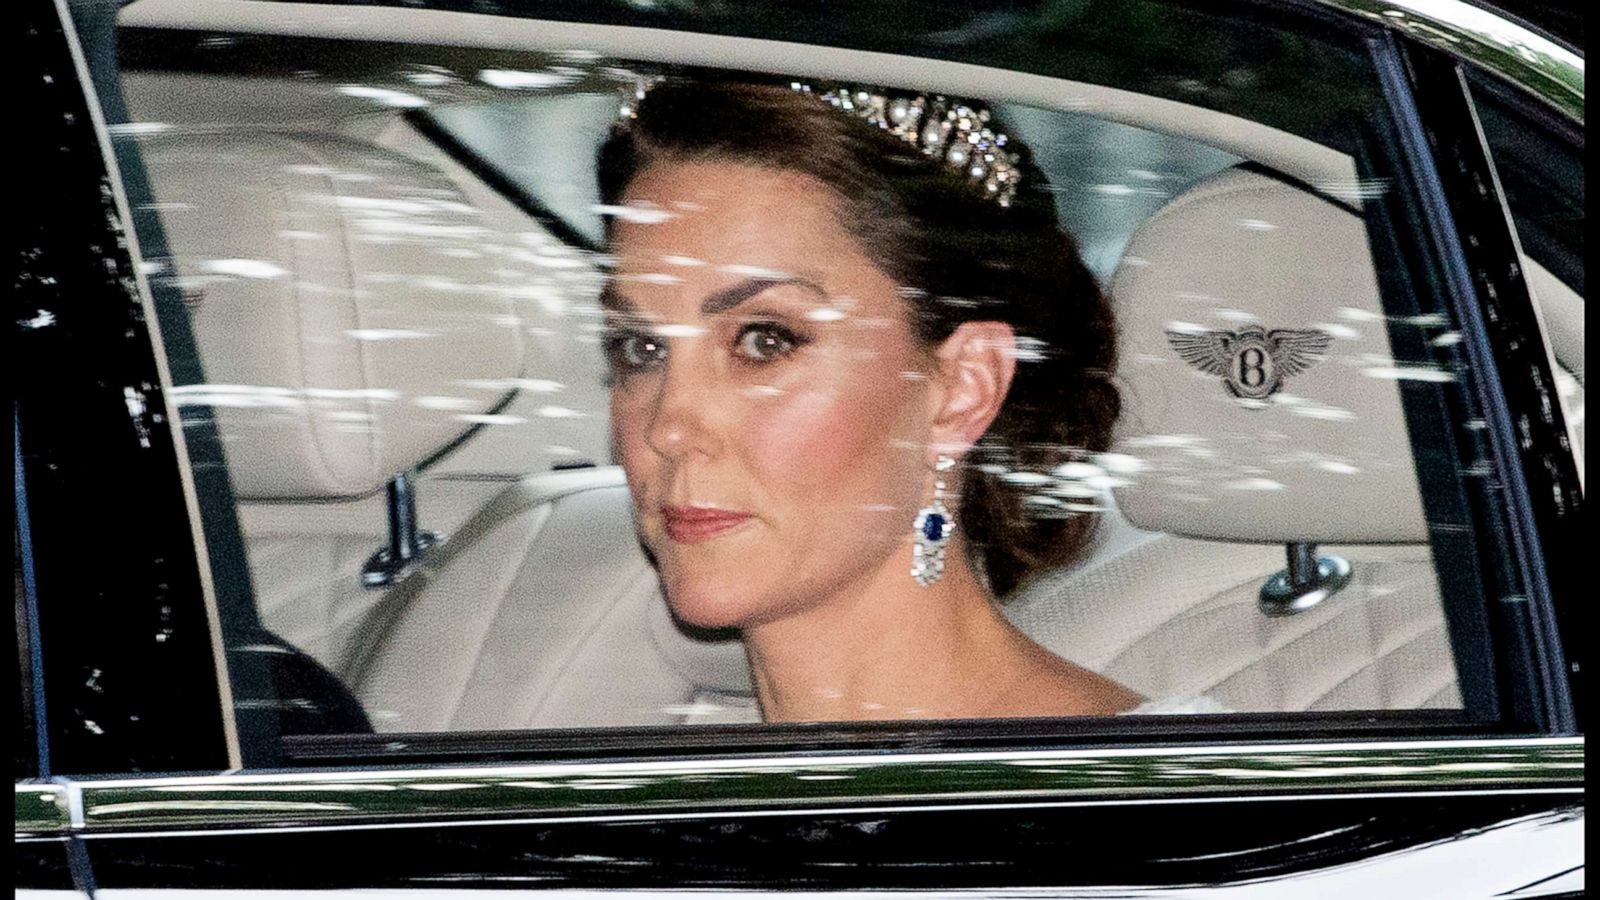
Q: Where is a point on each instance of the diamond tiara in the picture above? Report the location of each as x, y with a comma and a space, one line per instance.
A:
952, 131
955, 132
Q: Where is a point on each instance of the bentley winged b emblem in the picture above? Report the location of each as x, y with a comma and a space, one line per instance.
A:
1252, 362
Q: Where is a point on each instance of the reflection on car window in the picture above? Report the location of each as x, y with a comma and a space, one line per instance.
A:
563, 392
537, 147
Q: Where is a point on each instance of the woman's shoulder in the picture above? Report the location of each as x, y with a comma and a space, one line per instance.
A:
1045, 685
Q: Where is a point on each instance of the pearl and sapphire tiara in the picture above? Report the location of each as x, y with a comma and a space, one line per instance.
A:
955, 132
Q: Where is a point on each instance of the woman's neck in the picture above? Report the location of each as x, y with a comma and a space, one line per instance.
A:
888, 648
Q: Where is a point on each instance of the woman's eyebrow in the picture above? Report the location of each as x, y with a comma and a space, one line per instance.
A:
611, 298
729, 297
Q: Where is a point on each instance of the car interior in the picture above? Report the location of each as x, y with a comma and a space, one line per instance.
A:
392, 277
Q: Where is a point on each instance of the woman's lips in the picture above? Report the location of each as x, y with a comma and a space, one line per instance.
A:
693, 524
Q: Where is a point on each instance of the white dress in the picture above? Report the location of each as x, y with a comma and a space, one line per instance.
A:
707, 708
1177, 706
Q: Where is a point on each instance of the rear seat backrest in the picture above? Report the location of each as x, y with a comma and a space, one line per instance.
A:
339, 300
1325, 459
564, 625
354, 317
344, 309
548, 615
552, 617
542, 612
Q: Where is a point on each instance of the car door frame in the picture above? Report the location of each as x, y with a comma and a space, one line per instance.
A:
121, 822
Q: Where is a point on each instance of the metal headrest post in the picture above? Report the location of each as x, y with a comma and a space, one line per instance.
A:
407, 544
1308, 580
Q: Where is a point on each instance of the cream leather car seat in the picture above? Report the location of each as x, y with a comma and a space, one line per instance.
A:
547, 616
1229, 480
569, 629
540, 611
352, 324
1169, 606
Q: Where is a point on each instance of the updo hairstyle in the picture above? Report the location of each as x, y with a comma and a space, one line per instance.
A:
959, 257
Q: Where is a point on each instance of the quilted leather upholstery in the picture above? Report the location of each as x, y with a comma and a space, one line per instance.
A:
306, 559
547, 615
1178, 617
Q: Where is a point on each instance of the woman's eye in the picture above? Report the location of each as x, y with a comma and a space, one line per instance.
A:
631, 351
763, 343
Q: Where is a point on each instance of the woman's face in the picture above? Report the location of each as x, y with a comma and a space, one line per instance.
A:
769, 402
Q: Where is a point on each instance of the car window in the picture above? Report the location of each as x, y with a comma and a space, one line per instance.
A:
1108, 176
500, 466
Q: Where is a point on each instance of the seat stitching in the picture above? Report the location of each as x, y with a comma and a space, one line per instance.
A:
1453, 685
1314, 631
1372, 661
1272, 650
1199, 610
583, 640
502, 592
373, 455
1186, 613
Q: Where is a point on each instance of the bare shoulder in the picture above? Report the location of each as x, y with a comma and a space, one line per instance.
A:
1048, 685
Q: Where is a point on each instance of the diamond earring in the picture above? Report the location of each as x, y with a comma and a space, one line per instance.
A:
933, 526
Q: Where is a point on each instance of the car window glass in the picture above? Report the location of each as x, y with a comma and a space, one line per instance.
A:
543, 148
437, 354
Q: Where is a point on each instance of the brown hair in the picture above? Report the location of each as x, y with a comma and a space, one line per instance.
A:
960, 257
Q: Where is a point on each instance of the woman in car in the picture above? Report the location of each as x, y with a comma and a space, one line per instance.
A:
847, 338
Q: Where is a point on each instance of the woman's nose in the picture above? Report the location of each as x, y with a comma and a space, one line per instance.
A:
685, 414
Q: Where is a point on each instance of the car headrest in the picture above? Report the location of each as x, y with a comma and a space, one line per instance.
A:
342, 302
1261, 399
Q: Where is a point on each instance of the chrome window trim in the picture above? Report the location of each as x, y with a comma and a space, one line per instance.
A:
802, 811
783, 784
1487, 40
43, 809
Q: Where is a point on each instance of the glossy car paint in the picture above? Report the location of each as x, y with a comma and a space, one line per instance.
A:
42, 865
1469, 846
1519, 55
877, 780
105, 494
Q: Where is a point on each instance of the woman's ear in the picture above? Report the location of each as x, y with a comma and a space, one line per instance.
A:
975, 365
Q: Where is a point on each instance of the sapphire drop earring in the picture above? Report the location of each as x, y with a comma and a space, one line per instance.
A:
933, 526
